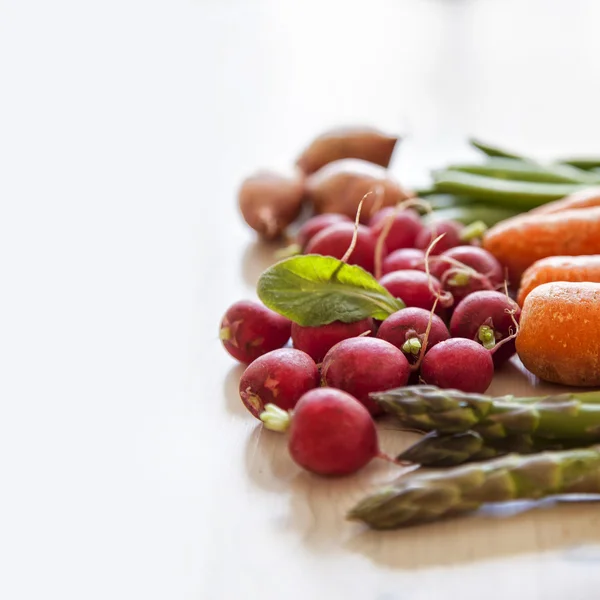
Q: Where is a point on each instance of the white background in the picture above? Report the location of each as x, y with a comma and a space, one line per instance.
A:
127, 467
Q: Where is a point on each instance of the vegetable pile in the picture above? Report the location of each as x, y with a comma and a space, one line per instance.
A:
387, 308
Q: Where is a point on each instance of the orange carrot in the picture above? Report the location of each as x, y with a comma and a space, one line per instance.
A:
559, 331
518, 242
559, 268
582, 199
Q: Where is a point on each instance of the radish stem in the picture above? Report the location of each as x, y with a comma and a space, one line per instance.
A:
473, 231
412, 346
487, 337
275, 419
459, 278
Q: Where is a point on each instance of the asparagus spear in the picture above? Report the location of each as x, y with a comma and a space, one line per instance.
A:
427, 497
438, 450
564, 417
449, 450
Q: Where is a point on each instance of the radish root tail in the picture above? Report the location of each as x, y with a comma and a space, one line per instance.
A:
511, 312
379, 198
387, 226
444, 297
352, 245
438, 295
388, 458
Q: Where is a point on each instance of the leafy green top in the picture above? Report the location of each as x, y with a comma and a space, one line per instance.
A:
314, 290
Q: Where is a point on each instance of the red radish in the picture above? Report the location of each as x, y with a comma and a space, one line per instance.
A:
316, 224
458, 364
413, 288
336, 239
406, 329
317, 341
406, 226
405, 258
330, 433
477, 258
451, 229
485, 318
363, 365
279, 377
481, 271
249, 330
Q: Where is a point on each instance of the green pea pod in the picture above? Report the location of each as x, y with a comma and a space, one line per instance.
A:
519, 170
490, 150
517, 195
574, 168
589, 163
490, 215
442, 201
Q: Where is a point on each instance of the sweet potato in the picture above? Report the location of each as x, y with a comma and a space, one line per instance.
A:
518, 242
269, 201
559, 268
558, 338
352, 142
341, 185
582, 199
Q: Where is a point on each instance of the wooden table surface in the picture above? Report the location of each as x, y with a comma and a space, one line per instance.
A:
129, 467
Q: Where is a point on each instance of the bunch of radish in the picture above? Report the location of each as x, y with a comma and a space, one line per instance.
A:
457, 326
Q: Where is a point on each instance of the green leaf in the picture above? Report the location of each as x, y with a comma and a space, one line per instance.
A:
314, 290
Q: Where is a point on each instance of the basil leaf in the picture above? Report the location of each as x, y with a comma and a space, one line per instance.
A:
314, 290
